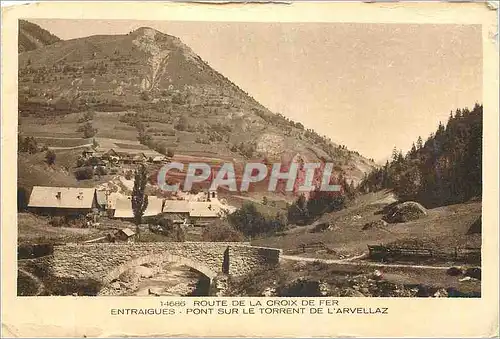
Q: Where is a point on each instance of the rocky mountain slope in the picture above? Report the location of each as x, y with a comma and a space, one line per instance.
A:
177, 99
32, 36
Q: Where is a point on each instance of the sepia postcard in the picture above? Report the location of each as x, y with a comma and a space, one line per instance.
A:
308, 169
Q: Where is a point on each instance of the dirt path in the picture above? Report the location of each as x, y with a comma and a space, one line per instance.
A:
69, 147
351, 261
35, 278
58, 138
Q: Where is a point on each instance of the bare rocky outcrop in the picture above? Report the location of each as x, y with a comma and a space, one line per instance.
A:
157, 57
406, 211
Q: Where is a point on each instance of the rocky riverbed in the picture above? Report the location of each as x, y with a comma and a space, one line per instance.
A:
165, 279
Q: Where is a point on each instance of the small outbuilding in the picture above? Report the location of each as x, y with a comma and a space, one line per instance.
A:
125, 234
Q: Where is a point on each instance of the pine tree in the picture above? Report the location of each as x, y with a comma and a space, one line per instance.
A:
413, 151
419, 143
394, 156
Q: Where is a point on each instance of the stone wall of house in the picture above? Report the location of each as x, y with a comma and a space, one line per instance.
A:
106, 261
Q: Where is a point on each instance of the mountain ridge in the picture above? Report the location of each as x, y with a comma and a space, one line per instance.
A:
170, 93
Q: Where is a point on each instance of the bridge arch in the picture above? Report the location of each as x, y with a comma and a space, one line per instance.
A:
159, 258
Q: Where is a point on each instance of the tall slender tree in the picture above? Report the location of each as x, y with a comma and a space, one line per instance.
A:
139, 198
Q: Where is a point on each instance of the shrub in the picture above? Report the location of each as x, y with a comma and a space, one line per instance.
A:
170, 152
144, 138
177, 99
161, 148
101, 170
80, 162
300, 288
88, 116
84, 173
145, 96
251, 222
58, 221
264, 200
28, 144
182, 124
128, 175
179, 234
221, 231
22, 199
50, 157
321, 227
166, 225
88, 130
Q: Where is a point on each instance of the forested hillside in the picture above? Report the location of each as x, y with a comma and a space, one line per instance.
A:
32, 36
444, 170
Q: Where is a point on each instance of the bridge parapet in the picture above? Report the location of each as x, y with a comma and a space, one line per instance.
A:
106, 261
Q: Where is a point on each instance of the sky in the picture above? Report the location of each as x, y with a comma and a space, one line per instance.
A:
367, 86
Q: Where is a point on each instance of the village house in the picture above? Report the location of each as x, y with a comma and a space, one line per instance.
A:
123, 207
139, 158
111, 155
88, 153
129, 156
197, 212
62, 201
179, 209
201, 212
158, 159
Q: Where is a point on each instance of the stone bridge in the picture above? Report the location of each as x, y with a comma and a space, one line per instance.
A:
105, 262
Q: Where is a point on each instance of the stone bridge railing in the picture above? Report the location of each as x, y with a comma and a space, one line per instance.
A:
106, 261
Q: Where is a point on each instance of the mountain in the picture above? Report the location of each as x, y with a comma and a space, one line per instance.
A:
159, 86
32, 36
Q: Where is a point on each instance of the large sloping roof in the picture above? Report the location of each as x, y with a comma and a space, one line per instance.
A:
61, 197
176, 206
204, 209
123, 207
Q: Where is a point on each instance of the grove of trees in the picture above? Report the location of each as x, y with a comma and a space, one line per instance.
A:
250, 222
443, 170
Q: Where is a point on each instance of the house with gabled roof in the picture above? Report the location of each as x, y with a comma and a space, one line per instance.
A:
62, 200
204, 209
123, 207
176, 207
